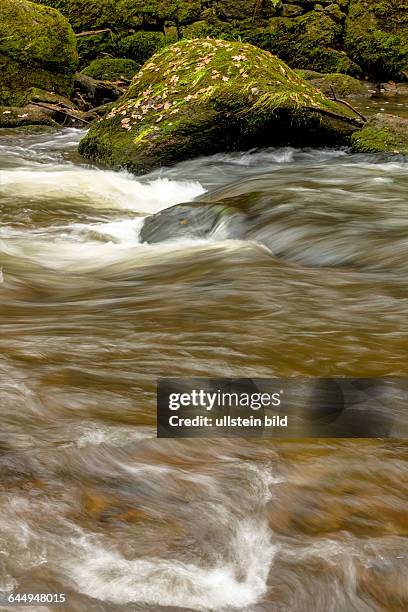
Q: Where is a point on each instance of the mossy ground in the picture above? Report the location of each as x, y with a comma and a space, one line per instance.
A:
202, 96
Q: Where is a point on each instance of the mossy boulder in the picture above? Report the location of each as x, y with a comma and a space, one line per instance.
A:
383, 133
112, 69
37, 49
376, 36
126, 14
103, 44
86, 14
141, 45
135, 29
343, 85
312, 41
17, 116
214, 28
204, 96
244, 9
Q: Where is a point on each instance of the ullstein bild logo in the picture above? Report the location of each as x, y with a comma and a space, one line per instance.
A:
282, 408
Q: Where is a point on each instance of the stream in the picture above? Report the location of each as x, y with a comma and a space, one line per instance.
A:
91, 503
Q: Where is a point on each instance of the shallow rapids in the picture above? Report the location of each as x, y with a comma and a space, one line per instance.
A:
91, 504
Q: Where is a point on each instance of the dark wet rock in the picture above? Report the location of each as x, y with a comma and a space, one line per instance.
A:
91, 93
198, 220
291, 10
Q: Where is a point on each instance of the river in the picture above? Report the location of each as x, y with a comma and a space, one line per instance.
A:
91, 503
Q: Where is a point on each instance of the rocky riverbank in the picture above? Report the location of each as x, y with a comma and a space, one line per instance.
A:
83, 56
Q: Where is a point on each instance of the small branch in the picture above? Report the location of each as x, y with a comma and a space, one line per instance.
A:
336, 99
351, 108
92, 32
59, 109
323, 111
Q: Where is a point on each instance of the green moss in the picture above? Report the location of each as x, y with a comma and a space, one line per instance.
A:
376, 36
343, 85
125, 14
86, 14
383, 133
37, 49
110, 69
203, 96
14, 117
141, 45
312, 41
308, 75
206, 29
244, 9
91, 47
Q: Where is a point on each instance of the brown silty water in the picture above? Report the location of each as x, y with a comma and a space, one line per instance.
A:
92, 504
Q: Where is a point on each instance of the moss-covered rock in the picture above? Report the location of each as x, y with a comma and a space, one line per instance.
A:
312, 41
214, 28
342, 85
125, 14
95, 46
37, 49
17, 116
376, 36
112, 69
308, 75
244, 9
383, 133
204, 96
141, 45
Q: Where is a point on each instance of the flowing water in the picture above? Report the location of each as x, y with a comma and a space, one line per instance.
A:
91, 503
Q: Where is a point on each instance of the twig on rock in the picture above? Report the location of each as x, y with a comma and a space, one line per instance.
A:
92, 32
336, 99
59, 109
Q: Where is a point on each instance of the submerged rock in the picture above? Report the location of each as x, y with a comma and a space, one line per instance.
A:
200, 97
37, 49
376, 37
194, 221
383, 133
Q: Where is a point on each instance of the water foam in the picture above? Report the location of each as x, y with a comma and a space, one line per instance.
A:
238, 580
96, 188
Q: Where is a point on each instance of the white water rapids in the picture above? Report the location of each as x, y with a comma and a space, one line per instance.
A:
91, 503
